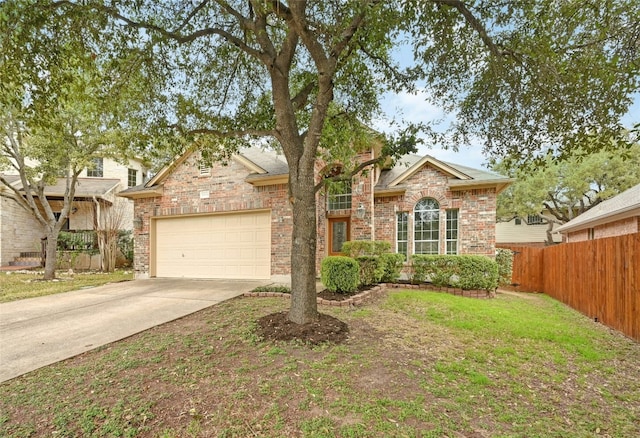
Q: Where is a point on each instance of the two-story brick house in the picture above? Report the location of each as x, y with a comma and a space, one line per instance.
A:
235, 221
21, 233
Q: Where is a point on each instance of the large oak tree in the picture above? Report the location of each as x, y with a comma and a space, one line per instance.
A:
521, 75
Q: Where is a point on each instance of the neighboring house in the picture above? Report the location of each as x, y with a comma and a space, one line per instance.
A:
21, 233
235, 221
526, 231
614, 217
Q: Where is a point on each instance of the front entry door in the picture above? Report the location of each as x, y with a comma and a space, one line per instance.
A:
338, 234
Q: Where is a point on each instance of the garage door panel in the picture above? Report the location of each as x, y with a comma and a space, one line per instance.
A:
215, 246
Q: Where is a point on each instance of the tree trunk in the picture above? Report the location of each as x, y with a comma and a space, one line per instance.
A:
304, 307
549, 234
51, 256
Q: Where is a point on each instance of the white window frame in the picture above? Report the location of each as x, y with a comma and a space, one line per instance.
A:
448, 240
434, 231
405, 215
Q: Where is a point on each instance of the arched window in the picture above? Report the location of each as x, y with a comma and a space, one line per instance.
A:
426, 226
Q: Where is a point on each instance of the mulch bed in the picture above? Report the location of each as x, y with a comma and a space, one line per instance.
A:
277, 327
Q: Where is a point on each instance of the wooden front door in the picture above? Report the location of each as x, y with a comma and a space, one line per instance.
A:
339, 232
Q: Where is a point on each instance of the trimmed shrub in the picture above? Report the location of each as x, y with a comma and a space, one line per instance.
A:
357, 248
504, 259
340, 274
463, 271
437, 269
371, 269
391, 266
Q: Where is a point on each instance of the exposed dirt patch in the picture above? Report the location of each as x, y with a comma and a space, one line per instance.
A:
278, 327
335, 296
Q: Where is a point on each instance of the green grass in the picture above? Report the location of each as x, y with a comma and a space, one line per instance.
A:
18, 286
417, 364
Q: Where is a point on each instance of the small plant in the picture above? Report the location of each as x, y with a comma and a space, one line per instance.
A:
357, 248
340, 274
504, 259
273, 288
391, 265
371, 269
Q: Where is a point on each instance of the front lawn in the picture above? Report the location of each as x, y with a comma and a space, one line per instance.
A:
416, 364
29, 284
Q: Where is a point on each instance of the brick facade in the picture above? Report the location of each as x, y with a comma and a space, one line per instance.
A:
223, 190
187, 192
617, 228
476, 212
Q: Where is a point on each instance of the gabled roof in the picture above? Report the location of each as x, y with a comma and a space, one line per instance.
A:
85, 188
621, 206
460, 177
268, 167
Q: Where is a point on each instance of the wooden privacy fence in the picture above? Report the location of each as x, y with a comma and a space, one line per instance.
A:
600, 278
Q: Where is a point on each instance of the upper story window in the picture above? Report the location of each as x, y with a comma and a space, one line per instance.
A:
204, 170
96, 170
132, 177
535, 219
339, 196
426, 227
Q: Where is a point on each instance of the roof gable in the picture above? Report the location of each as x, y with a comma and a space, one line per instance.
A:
420, 163
621, 206
460, 177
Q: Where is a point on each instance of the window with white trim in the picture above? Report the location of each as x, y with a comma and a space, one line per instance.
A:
339, 196
96, 170
535, 219
426, 227
402, 234
451, 239
132, 177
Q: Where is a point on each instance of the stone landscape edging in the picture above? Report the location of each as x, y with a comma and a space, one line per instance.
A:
378, 290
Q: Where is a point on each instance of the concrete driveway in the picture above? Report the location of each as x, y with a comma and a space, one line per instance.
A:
40, 331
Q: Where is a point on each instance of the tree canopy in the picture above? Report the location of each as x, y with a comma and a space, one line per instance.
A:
60, 107
308, 75
562, 190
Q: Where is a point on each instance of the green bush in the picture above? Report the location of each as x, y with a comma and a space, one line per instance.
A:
438, 269
340, 274
504, 259
273, 288
371, 269
391, 266
357, 248
463, 271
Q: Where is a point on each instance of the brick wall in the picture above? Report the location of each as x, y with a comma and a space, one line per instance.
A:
476, 212
618, 228
188, 192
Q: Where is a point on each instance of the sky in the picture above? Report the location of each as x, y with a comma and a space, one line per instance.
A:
414, 108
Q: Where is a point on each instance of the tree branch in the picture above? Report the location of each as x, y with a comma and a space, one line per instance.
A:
301, 99
224, 134
176, 36
494, 48
349, 175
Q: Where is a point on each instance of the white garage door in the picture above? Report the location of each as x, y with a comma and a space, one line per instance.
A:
214, 246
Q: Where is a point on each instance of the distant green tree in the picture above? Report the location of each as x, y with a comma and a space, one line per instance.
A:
563, 190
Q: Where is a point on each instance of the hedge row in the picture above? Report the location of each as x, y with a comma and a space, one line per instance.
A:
369, 262
463, 271
345, 274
